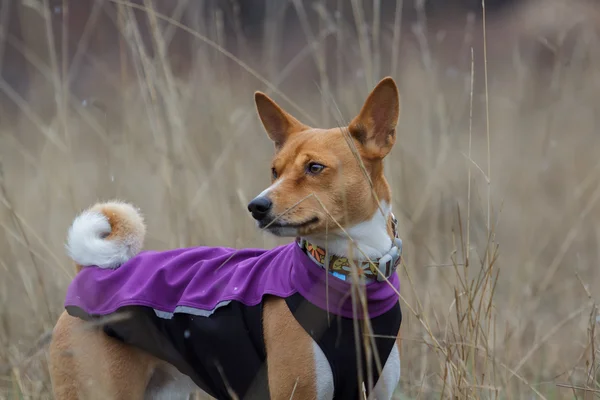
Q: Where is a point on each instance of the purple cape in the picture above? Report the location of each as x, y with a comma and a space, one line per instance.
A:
198, 280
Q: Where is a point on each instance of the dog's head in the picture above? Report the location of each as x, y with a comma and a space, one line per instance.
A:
320, 176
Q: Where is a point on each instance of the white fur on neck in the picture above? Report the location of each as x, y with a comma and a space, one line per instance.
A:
370, 236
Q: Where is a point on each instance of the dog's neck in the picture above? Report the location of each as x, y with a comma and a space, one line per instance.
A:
371, 239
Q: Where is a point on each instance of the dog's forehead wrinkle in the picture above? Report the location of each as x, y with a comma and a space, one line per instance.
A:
314, 136
330, 148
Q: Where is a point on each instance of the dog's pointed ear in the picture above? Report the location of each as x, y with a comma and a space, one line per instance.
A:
375, 126
278, 123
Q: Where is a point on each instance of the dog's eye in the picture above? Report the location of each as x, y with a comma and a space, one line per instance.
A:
274, 173
314, 168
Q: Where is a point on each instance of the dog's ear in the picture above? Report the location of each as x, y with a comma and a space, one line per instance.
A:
278, 123
375, 125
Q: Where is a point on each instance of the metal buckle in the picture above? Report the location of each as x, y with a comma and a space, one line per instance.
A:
388, 263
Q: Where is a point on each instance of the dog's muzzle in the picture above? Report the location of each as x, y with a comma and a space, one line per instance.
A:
260, 207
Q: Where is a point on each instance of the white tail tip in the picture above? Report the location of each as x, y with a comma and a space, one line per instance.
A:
106, 235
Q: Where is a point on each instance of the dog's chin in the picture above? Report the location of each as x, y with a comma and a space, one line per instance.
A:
283, 231
287, 229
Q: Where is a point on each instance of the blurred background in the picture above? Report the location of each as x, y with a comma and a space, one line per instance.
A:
495, 173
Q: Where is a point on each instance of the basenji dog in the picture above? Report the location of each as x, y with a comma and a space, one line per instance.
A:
318, 318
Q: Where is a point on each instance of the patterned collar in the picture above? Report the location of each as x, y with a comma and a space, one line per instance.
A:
377, 270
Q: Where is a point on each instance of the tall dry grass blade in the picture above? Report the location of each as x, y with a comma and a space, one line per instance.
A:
363, 42
82, 43
4, 20
226, 53
376, 38
396, 36
41, 294
28, 113
318, 57
468, 231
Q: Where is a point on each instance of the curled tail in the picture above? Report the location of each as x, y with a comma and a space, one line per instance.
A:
106, 235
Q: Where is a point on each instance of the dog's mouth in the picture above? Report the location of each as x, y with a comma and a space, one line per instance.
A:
276, 226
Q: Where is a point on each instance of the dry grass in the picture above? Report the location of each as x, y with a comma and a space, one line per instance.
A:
495, 177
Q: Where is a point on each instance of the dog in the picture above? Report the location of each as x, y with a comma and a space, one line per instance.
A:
318, 318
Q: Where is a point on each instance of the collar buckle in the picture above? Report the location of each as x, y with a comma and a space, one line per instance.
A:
389, 262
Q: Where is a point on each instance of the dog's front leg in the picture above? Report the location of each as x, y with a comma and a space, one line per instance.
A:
297, 367
390, 376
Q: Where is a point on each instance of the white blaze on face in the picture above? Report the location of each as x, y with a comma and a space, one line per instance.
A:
267, 191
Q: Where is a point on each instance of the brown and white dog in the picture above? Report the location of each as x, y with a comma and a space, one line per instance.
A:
320, 178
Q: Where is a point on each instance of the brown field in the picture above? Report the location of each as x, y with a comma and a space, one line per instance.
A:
495, 176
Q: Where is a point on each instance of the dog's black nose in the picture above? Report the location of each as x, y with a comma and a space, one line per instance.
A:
260, 207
